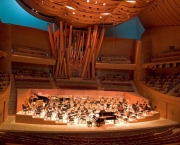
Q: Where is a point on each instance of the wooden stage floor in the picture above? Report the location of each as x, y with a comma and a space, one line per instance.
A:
10, 125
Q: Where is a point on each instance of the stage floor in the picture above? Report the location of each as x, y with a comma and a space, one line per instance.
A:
10, 125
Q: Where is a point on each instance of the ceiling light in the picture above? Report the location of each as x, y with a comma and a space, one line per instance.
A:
131, 1
88, 1
73, 13
104, 4
100, 17
105, 14
96, 2
69, 7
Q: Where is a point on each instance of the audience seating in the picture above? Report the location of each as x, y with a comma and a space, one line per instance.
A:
4, 80
167, 56
167, 84
116, 82
114, 78
31, 78
149, 138
114, 59
76, 84
34, 52
118, 87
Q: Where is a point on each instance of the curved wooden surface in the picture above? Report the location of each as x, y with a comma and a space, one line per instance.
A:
4, 103
84, 13
168, 106
161, 13
154, 41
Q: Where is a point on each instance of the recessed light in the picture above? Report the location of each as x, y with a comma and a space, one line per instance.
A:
131, 1
69, 7
105, 14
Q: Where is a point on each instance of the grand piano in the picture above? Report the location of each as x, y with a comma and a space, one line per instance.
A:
103, 116
45, 99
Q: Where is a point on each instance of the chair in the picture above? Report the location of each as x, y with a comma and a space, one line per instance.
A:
89, 123
25, 108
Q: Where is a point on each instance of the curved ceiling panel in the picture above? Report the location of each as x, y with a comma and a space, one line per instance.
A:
161, 13
84, 13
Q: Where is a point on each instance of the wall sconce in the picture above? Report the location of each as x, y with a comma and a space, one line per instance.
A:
177, 64
163, 65
171, 64
157, 65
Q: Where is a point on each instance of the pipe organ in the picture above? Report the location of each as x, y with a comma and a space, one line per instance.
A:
75, 51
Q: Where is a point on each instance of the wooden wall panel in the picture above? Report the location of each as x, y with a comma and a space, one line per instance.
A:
158, 39
115, 66
32, 60
4, 104
116, 46
161, 13
5, 65
29, 37
5, 44
162, 38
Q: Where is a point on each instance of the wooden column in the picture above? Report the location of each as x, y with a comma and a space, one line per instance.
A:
68, 63
85, 64
92, 47
93, 67
100, 43
61, 47
51, 41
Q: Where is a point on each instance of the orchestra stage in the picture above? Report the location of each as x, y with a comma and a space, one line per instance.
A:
160, 124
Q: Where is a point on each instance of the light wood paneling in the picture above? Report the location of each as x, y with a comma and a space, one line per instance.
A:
158, 39
4, 103
82, 14
115, 66
161, 13
29, 37
32, 60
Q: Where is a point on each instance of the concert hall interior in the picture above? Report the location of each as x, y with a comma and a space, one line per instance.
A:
89, 72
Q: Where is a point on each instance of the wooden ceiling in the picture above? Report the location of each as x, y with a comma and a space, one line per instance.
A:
84, 13
161, 13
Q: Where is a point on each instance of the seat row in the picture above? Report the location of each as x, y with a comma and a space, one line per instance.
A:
34, 52
76, 84
150, 138
164, 83
117, 87
4, 80
167, 56
30, 73
114, 77
114, 59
